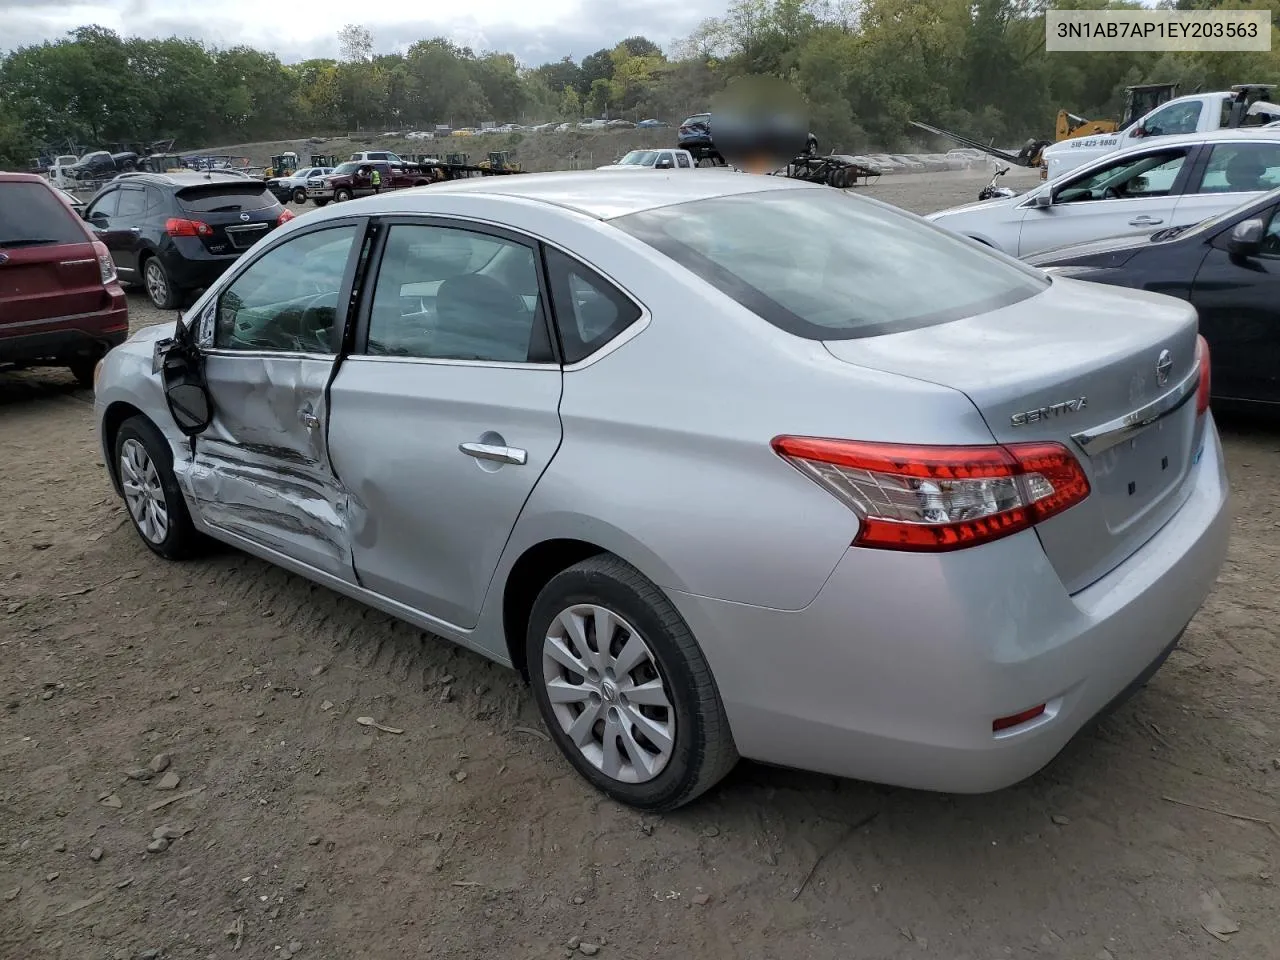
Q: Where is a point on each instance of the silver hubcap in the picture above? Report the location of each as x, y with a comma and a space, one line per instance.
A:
607, 694
143, 492
157, 286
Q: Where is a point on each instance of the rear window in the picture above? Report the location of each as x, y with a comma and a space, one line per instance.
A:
826, 266
31, 215
226, 198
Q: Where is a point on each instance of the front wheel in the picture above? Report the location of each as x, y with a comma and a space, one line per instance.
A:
300, 196
156, 506
341, 195
624, 688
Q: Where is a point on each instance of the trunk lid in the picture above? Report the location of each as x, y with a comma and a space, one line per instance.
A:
238, 214
1069, 365
48, 266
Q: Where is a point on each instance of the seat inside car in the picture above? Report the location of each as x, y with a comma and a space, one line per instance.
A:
476, 316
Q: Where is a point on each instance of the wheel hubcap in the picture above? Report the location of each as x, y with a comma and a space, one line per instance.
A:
607, 693
142, 491
156, 284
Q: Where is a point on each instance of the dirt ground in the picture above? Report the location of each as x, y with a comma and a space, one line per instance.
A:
294, 831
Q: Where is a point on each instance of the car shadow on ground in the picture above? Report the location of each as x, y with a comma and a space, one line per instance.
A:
39, 383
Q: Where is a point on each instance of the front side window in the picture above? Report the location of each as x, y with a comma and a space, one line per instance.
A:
826, 266
103, 206
1175, 118
445, 293
1242, 168
1271, 239
1148, 175
287, 299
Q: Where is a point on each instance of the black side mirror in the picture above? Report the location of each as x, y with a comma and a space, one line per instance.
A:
185, 389
1245, 239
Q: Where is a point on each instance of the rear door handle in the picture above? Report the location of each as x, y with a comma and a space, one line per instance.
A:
489, 451
1145, 221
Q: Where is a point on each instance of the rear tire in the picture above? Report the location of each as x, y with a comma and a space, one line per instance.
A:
638, 716
159, 286
156, 507
82, 369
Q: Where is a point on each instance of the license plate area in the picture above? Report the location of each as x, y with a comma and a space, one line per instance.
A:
1144, 469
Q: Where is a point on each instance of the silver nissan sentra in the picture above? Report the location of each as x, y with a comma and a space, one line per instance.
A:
726, 465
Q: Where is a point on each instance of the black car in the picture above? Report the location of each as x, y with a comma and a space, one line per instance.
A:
176, 233
1227, 267
695, 136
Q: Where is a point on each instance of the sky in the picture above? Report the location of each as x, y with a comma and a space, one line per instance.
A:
536, 31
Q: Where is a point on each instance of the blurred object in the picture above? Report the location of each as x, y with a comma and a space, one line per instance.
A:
760, 124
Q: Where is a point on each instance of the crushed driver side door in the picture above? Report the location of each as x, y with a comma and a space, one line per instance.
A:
253, 390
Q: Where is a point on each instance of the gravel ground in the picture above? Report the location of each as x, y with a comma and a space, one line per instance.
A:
227, 690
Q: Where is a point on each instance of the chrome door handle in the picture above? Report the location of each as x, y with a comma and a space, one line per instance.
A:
1144, 221
310, 420
489, 451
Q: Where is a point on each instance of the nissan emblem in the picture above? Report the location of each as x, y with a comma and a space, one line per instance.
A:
1164, 366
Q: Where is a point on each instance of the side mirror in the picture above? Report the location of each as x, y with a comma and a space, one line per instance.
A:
1043, 200
1139, 131
663, 164
185, 390
1246, 238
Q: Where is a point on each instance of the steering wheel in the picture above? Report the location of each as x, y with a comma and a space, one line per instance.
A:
313, 328
1110, 193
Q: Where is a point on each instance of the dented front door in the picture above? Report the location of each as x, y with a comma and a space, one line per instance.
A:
261, 470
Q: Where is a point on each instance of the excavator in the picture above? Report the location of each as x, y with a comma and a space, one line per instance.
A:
1139, 100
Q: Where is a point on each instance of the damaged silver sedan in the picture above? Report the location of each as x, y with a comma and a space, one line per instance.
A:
704, 459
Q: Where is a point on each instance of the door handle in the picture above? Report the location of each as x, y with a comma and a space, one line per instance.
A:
310, 420
135, 229
490, 451
1144, 221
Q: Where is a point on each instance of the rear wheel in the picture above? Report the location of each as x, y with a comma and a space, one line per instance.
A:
156, 506
159, 287
299, 196
82, 369
624, 688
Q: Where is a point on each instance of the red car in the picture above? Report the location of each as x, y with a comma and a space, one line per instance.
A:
61, 304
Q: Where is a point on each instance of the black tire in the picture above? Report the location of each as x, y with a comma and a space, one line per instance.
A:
82, 369
300, 196
182, 539
163, 295
341, 195
703, 752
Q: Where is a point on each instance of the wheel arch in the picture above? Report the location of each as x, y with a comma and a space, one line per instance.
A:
113, 418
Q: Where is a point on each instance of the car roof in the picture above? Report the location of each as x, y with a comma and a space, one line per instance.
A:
183, 178
22, 178
595, 193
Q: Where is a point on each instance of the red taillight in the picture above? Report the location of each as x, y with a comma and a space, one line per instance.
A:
930, 498
1202, 392
285, 217
178, 227
1004, 723
106, 266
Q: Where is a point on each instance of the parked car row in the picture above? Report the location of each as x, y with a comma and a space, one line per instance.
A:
1192, 216
560, 126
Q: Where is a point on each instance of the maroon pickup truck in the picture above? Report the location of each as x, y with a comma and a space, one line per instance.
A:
355, 179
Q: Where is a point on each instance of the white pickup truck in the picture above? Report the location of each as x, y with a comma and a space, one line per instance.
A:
1243, 105
658, 159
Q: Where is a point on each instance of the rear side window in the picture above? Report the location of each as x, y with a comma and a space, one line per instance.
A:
589, 309
226, 198
33, 215
1242, 168
826, 266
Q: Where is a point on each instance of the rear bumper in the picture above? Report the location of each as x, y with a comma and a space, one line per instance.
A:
896, 670
191, 266
65, 338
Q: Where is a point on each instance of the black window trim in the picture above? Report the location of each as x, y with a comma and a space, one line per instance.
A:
359, 343
243, 264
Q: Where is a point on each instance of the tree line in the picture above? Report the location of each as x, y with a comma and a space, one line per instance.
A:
865, 67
